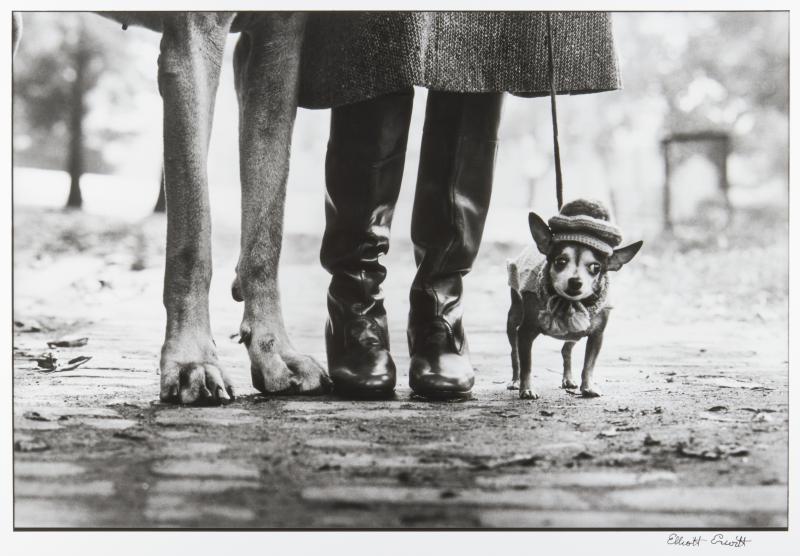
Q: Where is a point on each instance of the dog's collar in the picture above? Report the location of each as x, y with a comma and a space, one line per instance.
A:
559, 316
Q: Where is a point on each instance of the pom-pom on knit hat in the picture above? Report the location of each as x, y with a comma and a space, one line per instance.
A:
586, 222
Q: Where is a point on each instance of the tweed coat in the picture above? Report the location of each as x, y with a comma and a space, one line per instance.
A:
353, 56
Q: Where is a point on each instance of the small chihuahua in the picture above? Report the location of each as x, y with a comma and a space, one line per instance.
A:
564, 293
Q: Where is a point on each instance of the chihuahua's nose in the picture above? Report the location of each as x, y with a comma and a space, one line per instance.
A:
574, 283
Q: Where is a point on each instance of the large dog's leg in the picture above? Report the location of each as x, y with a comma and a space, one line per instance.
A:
266, 65
188, 73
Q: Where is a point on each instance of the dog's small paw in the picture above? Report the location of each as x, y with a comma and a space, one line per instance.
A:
528, 394
513, 385
590, 392
567, 384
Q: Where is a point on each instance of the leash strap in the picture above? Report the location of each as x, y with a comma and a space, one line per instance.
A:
554, 115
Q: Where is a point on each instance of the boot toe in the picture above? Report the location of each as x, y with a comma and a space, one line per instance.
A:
371, 375
441, 376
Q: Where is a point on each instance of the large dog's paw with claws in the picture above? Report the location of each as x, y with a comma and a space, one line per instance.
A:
568, 384
528, 394
193, 376
276, 368
590, 391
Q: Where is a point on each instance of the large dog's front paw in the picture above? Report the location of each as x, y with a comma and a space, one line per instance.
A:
590, 391
513, 385
190, 373
568, 384
528, 394
276, 368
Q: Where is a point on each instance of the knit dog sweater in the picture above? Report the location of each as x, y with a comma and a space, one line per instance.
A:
558, 317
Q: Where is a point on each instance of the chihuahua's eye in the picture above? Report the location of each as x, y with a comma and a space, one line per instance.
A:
594, 268
561, 262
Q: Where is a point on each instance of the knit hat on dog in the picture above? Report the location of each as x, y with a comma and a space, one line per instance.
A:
586, 222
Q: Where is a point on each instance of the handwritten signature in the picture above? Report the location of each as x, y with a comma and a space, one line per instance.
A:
740, 541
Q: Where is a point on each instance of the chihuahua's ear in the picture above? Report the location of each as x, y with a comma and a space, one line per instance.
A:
541, 232
623, 255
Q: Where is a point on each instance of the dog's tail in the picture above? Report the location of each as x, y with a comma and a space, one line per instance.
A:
513, 274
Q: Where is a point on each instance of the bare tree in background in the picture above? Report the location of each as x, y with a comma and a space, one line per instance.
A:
64, 61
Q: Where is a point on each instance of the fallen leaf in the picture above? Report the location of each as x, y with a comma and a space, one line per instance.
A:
608, 433
68, 342
328, 467
546, 413
734, 450
49, 363
523, 460
27, 326
718, 408
710, 455
34, 416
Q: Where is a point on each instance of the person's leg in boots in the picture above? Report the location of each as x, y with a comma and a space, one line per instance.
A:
454, 186
363, 172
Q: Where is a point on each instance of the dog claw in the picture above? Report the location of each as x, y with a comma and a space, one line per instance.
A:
245, 337
222, 395
171, 394
528, 394
193, 383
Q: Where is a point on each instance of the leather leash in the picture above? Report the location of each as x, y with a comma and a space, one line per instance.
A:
554, 115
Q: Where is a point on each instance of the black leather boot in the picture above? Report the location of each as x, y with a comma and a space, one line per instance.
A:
454, 186
363, 172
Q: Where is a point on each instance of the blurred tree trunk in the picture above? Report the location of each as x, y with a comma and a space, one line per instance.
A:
77, 113
161, 202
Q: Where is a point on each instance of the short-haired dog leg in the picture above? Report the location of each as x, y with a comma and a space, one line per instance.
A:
526, 336
515, 314
593, 344
266, 66
566, 354
188, 74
